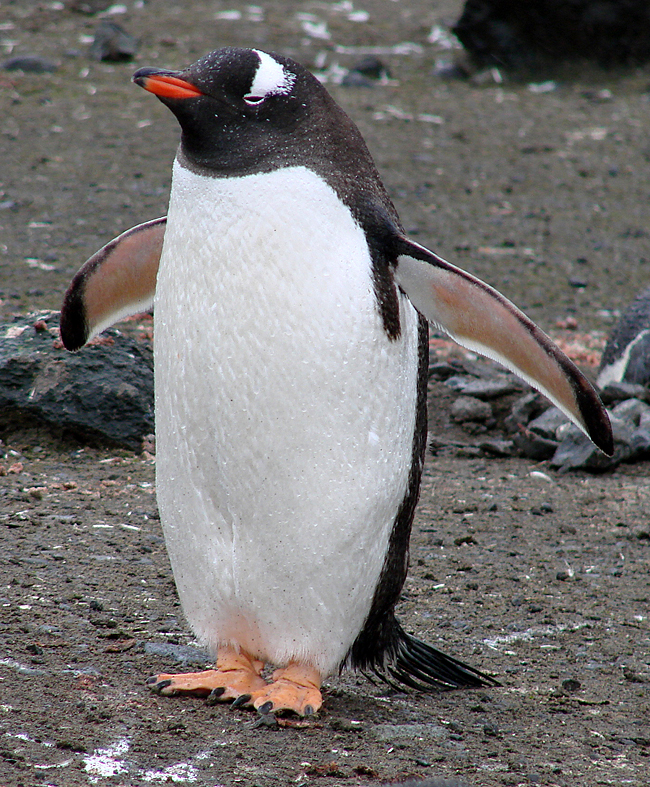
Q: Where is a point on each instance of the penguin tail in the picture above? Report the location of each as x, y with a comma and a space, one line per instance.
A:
422, 667
387, 652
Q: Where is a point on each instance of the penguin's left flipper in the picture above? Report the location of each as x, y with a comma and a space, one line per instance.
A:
481, 319
119, 280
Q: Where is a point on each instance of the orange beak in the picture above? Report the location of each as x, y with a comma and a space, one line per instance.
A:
166, 86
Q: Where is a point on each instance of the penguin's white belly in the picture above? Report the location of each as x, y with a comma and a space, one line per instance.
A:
285, 416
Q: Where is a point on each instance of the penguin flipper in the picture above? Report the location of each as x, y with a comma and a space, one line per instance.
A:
118, 280
481, 319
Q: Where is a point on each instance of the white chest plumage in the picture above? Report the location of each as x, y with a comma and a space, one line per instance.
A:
285, 415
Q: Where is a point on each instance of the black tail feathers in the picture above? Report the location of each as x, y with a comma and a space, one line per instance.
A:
406, 661
423, 667
384, 649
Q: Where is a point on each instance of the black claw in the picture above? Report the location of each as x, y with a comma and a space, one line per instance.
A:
153, 679
266, 708
265, 720
213, 696
160, 685
309, 711
241, 700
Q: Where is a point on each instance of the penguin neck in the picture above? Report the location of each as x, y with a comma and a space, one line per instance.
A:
295, 196
268, 219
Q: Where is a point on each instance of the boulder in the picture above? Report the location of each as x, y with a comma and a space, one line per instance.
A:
103, 393
533, 35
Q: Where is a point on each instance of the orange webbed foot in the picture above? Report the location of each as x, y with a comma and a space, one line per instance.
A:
294, 688
236, 675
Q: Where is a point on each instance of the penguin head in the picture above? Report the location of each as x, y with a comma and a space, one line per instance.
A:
242, 110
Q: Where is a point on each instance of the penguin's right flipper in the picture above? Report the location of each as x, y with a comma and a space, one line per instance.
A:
119, 280
481, 319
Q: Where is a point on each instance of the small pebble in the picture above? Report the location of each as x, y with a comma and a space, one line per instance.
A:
468, 408
615, 392
31, 64
372, 67
112, 43
484, 388
630, 410
571, 685
534, 446
355, 79
548, 423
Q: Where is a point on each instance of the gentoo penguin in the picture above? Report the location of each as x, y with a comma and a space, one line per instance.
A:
290, 347
626, 357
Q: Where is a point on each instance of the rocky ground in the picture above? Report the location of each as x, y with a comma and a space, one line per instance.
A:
538, 577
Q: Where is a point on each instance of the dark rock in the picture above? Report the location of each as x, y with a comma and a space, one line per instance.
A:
533, 445
467, 452
497, 447
112, 43
626, 357
371, 66
617, 391
548, 423
459, 382
29, 64
449, 69
484, 388
104, 393
516, 35
442, 370
355, 79
635, 677
524, 409
460, 449
366, 72
640, 443
577, 451
468, 408
631, 410
89, 6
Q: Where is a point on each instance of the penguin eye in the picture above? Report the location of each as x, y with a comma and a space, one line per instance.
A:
253, 101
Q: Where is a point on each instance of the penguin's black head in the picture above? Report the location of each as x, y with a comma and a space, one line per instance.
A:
243, 110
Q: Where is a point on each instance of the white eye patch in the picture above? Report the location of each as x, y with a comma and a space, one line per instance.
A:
270, 79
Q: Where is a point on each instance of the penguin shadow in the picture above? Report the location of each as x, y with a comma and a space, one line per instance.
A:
357, 700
